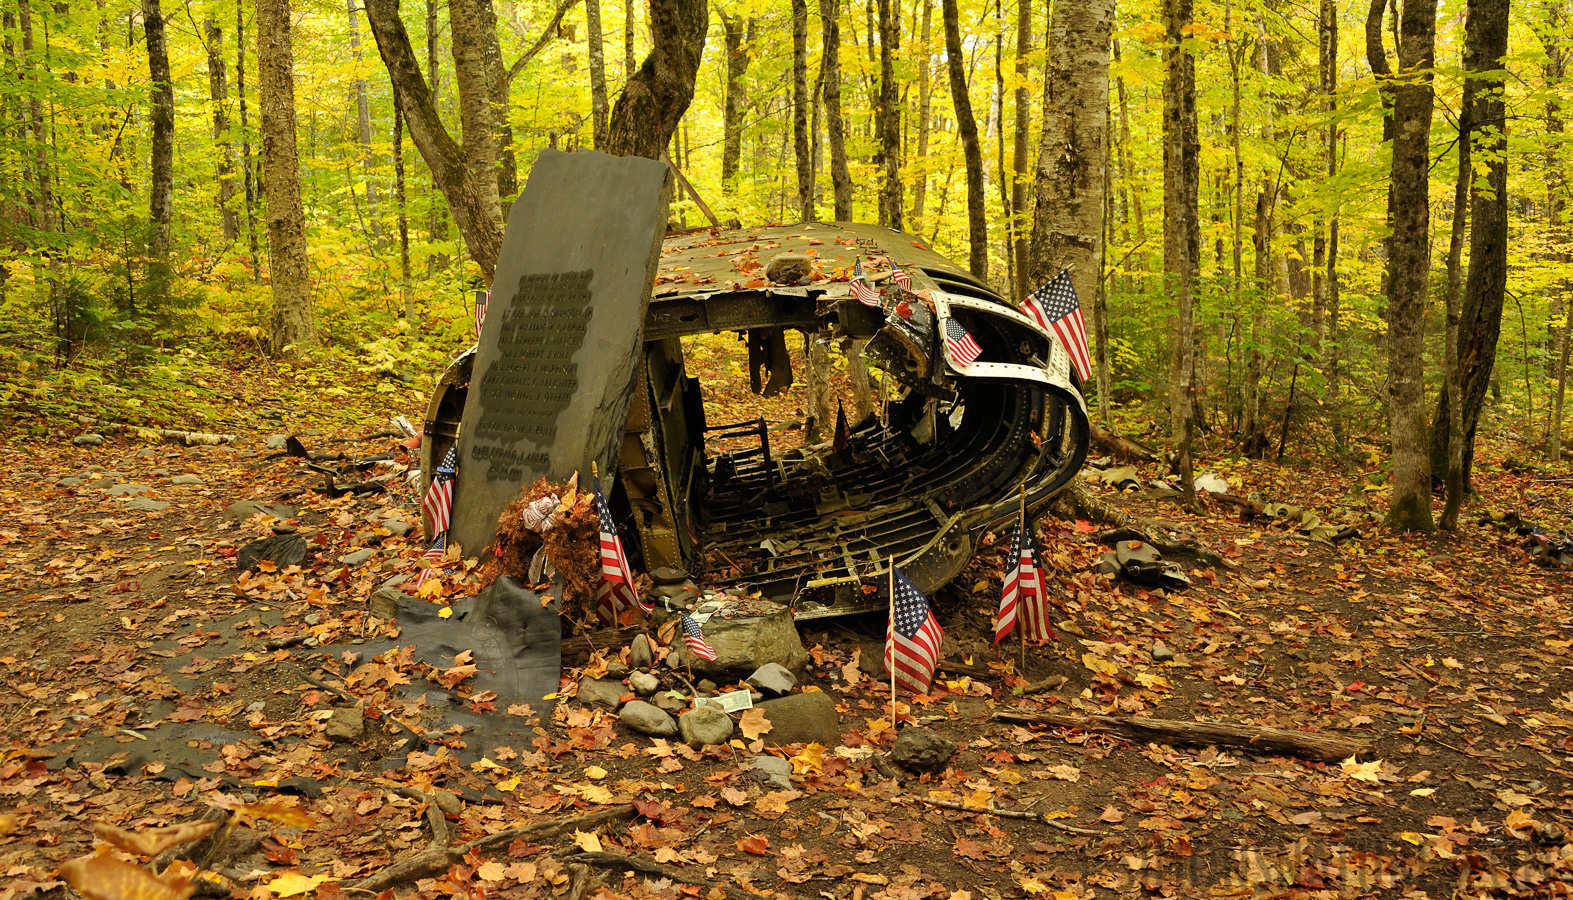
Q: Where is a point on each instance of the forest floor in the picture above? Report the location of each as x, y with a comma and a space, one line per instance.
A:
1448, 655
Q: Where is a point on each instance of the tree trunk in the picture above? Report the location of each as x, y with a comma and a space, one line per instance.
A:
598, 108
218, 90
1021, 235
819, 406
630, 62
45, 215
967, 127
294, 323
835, 127
1554, 71
363, 126
654, 100
1073, 147
1408, 258
888, 117
405, 287
247, 169
1480, 323
1449, 427
466, 175
800, 101
925, 108
161, 180
1330, 347
738, 54
1181, 184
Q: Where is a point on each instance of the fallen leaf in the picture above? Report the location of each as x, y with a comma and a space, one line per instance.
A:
587, 841
1359, 771
1112, 814
754, 844
151, 841
103, 877
293, 884
754, 723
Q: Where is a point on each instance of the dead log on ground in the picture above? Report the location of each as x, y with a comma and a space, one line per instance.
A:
1249, 508
629, 863
188, 438
439, 855
582, 646
1124, 449
1320, 747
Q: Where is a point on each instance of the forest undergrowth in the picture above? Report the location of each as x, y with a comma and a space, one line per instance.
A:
1447, 655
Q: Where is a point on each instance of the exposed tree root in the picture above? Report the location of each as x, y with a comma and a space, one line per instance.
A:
1321, 747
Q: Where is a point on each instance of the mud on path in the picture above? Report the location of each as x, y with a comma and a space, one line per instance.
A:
120, 616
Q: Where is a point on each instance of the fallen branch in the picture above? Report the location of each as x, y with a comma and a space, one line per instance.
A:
1040, 818
1124, 449
189, 438
586, 644
955, 668
1320, 747
1052, 683
626, 863
1249, 508
436, 858
1185, 545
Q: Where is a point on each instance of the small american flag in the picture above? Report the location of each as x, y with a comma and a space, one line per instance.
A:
617, 579
963, 349
861, 288
1024, 597
482, 299
694, 636
902, 279
913, 638
438, 551
438, 504
1055, 308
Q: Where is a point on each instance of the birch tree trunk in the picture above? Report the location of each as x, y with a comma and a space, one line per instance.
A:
967, 127
218, 91
835, 121
294, 322
800, 101
888, 117
598, 108
1073, 148
161, 180
1408, 257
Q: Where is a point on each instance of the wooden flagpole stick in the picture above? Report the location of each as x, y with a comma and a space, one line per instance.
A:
1021, 632
888, 640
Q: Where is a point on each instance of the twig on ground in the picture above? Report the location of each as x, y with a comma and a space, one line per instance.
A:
1040, 818
617, 861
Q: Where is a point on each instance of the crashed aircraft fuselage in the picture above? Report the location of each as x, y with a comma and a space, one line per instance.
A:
816, 528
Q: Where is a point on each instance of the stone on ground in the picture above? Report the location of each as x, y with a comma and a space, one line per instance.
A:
346, 724
644, 684
920, 750
639, 655
705, 726
88, 440
1127, 551
356, 557
241, 510
646, 719
776, 770
602, 692
802, 719
774, 679
283, 550
745, 644
148, 504
186, 479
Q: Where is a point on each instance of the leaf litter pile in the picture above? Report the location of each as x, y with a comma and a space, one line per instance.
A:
1445, 659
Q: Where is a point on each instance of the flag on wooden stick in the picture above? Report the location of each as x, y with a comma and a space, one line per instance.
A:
438, 504
861, 288
694, 636
482, 299
912, 639
1054, 307
1024, 601
963, 349
617, 591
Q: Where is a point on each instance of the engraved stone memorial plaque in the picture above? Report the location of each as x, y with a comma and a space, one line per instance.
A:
560, 346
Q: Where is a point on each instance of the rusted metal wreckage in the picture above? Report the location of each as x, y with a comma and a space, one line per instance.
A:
921, 483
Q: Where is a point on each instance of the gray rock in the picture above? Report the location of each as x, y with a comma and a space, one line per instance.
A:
774, 679
671, 701
682, 596
644, 684
241, 510
871, 661
148, 504
1127, 551
1108, 564
313, 619
789, 268
283, 550
668, 575
920, 750
346, 724
101, 484
602, 692
743, 645
705, 726
1161, 653
706, 686
776, 770
803, 719
30, 475
646, 719
398, 527
639, 655
356, 557
257, 706
88, 440
277, 441
69, 481
617, 669
384, 603
186, 479
127, 490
